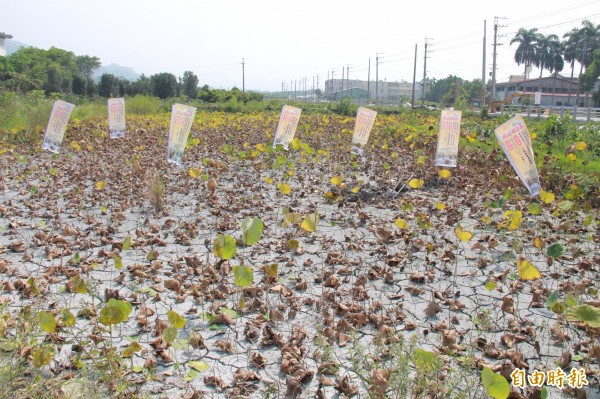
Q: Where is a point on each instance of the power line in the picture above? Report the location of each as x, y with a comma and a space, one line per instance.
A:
562, 23
556, 12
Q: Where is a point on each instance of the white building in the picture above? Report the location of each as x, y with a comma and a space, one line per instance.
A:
388, 91
555, 90
3, 37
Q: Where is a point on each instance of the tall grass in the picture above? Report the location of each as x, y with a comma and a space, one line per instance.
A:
143, 105
20, 112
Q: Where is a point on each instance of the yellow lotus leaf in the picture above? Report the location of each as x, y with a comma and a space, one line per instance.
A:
194, 172
445, 173
580, 146
100, 185
546, 196
416, 183
527, 271
284, 188
401, 224
336, 180
513, 219
463, 235
310, 223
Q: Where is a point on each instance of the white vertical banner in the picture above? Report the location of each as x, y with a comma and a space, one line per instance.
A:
515, 140
55, 131
537, 98
116, 117
365, 119
182, 118
287, 125
449, 134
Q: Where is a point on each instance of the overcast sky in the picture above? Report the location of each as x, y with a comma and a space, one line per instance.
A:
282, 41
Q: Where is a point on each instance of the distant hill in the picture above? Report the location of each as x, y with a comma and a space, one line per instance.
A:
13, 45
121, 72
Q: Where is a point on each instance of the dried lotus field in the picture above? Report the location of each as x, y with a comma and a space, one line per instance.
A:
249, 272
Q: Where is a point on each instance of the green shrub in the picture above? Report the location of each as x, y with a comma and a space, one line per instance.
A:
142, 105
88, 109
345, 107
589, 134
559, 126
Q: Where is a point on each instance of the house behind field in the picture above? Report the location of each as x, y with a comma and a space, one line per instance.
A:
3, 37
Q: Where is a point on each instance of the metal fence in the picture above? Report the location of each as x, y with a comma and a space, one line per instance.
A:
588, 114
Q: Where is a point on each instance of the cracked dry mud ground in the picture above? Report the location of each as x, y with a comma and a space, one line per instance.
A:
322, 324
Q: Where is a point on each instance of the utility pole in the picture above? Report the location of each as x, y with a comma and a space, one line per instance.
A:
305, 89
313, 89
243, 77
332, 82
295, 89
343, 71
377, 78
483, 68
584, 51
425, 68
369, 82
496, 44
414, 79
347, 77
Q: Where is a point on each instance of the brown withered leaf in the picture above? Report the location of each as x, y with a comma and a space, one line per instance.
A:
378, 381
17, 246
345, 386
225, 345
196, 340
165, 355
173, 285
432, 308
558, 333
252, 332
271, 338
415, 290
508, 305
449, 338
257, 360
417, 277
244, 375
333, 281
222, 318
159, 327
517, 359
214, 381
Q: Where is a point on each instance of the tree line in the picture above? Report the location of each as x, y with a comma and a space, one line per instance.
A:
60, 71
548, 52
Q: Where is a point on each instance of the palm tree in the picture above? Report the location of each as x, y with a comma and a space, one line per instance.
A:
525, 54
557, 63
591, 35
580, 45
544, 52
571, 50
